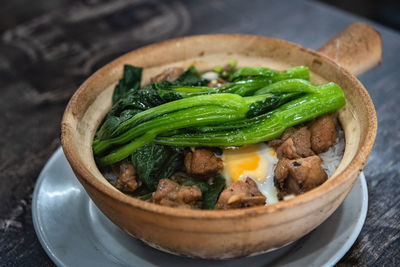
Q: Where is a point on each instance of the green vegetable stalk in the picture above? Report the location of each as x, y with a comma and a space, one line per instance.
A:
246, 81
328, 99
231, 101
176, 120
300, 72
199, 114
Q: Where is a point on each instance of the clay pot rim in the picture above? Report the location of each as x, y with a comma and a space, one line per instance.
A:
88, 178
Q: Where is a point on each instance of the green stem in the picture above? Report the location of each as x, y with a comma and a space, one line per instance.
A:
189, 117
330, 98
290, 85
245, 86
300, 72
180, 119
123, 152
223, 100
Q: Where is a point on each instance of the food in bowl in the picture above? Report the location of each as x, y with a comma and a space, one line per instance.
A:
222, 234
224, 139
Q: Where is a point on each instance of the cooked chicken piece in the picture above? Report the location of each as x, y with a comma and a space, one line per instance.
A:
285, 135
301, 139
202, 162
323, 133
241, 195
170, 193
127, 178
296, 146
170, 74
287, 150
299, 175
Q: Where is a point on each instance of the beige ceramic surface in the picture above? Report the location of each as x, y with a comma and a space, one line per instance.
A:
234, 233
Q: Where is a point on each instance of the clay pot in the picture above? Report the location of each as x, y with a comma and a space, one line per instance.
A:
242, 232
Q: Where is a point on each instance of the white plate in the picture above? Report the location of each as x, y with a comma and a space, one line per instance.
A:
74, 232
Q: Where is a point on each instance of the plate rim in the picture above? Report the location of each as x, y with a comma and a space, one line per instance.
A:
49, 251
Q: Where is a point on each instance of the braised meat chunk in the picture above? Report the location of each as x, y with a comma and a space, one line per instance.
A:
296, 146
299, 175
323, 133
241, 195
127, 178
170, 193
170, 74
285, 135
202, 162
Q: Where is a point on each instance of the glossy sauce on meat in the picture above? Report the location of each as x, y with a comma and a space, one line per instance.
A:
299, 168
241, 195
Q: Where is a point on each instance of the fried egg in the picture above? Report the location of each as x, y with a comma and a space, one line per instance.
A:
256, 161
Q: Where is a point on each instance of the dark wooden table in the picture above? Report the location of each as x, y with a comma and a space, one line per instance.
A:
48, 48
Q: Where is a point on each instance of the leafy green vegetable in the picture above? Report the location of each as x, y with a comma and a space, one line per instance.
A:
227, 126
154, 162
198, 115
190, 181
128, 100
289, 85
152, 125
206, 109
220, 109
257, 106
128, 84
231, 101
210, 192
190, 77
247, 81
270, 103
146, 196
131, 105
271, 126
108, 126
142, 192
299, 72
177, 120
211, 196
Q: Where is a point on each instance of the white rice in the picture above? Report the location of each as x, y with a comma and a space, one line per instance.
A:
332, 157
210, 75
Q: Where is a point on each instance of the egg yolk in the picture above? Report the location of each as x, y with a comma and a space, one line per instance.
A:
245, 161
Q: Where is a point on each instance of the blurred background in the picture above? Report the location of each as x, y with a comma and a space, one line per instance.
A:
386, 12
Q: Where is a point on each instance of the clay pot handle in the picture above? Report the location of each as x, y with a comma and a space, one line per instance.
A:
357, 48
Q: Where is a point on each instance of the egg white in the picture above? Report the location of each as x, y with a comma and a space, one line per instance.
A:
256, 161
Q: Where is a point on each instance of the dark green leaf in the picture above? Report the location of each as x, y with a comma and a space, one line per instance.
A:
108, 126
146, 196
132, 104
154, 162
211, 196
270, 103
113, 121
190, 77
129, 83
202, 185
183, 178
142, 192
210, 192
